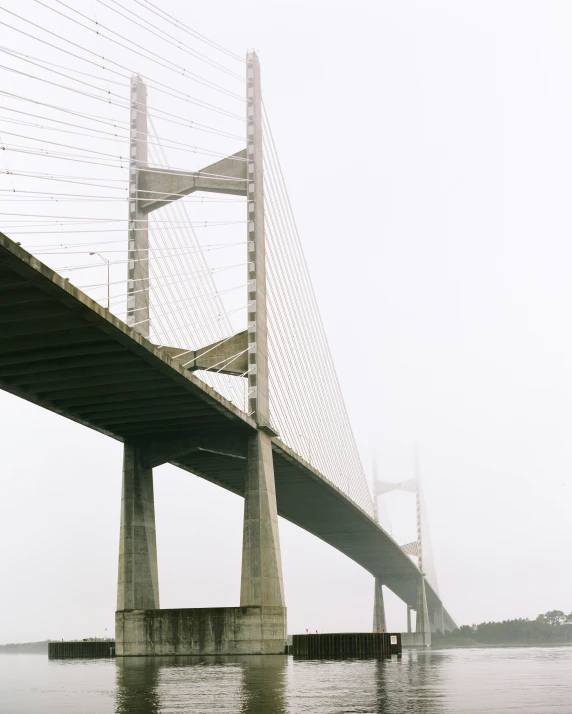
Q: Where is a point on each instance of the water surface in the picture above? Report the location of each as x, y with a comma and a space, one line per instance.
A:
522, 680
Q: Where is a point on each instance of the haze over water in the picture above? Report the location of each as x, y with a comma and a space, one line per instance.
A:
527, 680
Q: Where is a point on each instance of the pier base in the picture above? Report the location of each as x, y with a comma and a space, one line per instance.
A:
414, 639
201, 631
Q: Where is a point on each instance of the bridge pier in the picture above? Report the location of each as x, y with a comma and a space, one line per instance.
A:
258, 626
138, 581
437, 616
261, 581
379, 622
422, 623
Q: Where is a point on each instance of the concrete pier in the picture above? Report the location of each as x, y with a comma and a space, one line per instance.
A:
138, 581
261, 581
422, 623
413, 640
379, 621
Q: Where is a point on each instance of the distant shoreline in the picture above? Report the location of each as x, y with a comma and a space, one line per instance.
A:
40, 647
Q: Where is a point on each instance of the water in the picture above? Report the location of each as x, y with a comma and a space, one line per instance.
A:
531, 680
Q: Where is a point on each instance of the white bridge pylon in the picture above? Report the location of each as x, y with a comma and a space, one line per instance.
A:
279, 364
419, 549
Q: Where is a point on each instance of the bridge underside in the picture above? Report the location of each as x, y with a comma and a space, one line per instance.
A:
61, 350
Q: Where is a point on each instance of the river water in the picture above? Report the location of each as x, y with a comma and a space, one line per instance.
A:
531, 680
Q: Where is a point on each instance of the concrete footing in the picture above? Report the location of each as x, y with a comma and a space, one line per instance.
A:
201, 631
414, 639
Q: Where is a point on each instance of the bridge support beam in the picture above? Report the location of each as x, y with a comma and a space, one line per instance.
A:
138, 581
379, 622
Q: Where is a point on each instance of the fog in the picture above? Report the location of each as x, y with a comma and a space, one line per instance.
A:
427, 151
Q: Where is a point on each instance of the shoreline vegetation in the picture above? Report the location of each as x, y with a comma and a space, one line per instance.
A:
550, 628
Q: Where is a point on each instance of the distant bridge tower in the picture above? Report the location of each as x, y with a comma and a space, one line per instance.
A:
415, 548
422, 624
379, 621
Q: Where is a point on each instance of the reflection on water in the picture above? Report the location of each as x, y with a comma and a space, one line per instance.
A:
249, 684
264, 685
277, 685
412, 686
533, 680
137, 685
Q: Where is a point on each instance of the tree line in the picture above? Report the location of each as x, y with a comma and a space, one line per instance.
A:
551, 627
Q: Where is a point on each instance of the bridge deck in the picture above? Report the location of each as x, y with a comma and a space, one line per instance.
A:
63, 351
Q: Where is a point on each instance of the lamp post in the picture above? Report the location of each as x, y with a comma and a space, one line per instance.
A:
108, 277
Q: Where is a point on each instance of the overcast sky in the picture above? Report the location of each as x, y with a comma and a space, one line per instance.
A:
427, 151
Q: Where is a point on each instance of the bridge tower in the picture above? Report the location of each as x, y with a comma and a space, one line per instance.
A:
415, 548
261, 582
379, 621
259, 624
422, 623
138, 581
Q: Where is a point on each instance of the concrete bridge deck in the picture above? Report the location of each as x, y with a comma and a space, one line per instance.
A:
63, 351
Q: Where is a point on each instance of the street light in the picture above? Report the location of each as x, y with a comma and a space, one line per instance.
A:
108, 279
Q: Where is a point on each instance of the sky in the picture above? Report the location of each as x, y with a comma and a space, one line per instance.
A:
426, 149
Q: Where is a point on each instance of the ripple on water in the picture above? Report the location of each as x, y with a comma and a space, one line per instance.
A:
531, 680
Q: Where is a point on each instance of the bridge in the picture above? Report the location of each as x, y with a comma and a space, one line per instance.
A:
256, 410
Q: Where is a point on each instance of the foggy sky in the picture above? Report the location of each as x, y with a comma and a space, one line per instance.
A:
426, 147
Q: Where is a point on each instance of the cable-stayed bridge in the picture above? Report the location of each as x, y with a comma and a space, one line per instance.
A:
153, 287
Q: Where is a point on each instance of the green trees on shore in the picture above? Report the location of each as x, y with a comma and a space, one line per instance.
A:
551, 627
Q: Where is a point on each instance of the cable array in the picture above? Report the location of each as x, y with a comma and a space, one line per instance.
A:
210, 321
428, 563
305, 396
65, 158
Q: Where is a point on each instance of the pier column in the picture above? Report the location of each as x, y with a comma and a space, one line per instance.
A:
261, 582
137, 582
423, 625
408, 619
438, 619
379, 623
